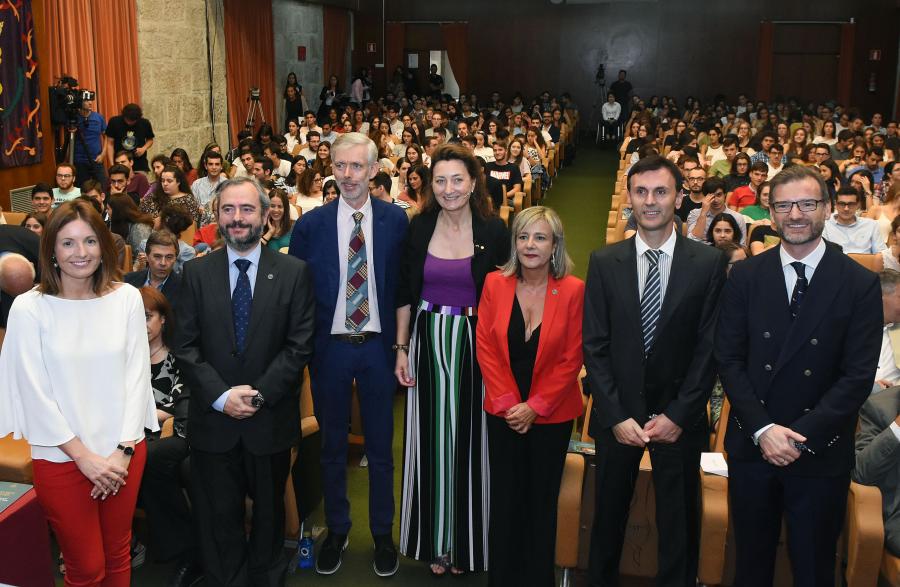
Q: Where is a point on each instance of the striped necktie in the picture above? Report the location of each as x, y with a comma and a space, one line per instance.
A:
357, 278
651, 299
799, 288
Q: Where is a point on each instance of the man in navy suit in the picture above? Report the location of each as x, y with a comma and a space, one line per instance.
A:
797, 345
353, 246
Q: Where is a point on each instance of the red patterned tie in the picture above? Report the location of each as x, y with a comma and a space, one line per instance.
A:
357, 278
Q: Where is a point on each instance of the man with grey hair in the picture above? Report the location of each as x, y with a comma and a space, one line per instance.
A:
14, 275
242, 351
797, 361
888, 373
352, 246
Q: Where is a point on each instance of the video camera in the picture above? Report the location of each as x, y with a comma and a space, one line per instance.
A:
66, 100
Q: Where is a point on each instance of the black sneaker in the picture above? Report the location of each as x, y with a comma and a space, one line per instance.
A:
329, 559
386, 561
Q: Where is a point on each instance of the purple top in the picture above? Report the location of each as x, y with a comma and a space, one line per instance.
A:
448, 282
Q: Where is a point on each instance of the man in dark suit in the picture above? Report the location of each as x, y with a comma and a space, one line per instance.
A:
353, 247
244, 335
797, 345
16, 276
162, 252
649, 310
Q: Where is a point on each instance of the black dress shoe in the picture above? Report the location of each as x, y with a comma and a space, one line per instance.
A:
186, 576
329, 559
386, 561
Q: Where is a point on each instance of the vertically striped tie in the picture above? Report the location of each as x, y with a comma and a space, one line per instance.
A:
651, 299
357, 279
799, 288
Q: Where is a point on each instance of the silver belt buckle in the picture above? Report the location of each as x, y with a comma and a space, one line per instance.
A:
357, 338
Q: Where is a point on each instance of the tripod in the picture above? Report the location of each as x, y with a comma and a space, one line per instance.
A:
255, 107
597, 111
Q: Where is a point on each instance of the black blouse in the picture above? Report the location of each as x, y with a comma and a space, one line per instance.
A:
522, 353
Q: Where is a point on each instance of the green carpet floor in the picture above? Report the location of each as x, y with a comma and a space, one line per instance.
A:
581, 195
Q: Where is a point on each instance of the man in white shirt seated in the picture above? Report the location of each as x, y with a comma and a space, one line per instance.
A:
854, 234
203, 187
309, 119
280, 167
888, 373
611, 111
328, 133
308, 151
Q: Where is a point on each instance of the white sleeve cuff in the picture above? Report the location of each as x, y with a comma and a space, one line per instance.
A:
896, 430
219, 404
759, 433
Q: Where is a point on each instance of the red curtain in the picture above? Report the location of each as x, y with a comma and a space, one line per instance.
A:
394, 43
249, 61
336, 26
83, 46
456, 40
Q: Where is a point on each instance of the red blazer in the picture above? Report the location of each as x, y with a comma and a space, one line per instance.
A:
554, 393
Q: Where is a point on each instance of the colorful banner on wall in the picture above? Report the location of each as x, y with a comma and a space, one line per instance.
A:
20, 90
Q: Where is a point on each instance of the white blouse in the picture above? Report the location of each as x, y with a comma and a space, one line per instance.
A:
76, 368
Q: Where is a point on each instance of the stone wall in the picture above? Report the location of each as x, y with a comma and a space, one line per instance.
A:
175, 73
298, 24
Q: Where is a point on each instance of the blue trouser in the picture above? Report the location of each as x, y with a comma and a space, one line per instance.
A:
336, 365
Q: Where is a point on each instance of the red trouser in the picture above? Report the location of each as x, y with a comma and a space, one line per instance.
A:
94, 535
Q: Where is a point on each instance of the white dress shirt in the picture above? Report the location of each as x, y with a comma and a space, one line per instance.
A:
233, 273
863, 236
665, 263
790, 280
345, 225
887, 366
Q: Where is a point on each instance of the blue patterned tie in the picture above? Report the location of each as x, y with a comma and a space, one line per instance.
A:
651, 300
357, 314
241, 300
799, 288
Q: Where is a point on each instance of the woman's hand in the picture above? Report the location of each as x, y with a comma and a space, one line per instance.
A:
401, 369
162, 416
106, 474
520, 417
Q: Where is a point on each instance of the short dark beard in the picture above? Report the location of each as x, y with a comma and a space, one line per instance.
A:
245, 244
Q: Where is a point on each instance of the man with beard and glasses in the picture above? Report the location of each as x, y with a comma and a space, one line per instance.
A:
242, 351
797, 346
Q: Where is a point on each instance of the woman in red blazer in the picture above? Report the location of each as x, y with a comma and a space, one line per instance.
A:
529, 349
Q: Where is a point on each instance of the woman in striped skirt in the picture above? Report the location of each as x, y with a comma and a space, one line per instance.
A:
453, 244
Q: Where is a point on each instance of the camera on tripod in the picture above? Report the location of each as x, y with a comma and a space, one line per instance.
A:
66, 100
254, 94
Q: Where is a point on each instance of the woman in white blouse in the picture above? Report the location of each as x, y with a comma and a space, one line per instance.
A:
75, 382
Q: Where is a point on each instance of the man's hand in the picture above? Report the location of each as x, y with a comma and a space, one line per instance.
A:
630, 433
884, 383
662, 429
139, 152
777, 446
237, 404
707, 203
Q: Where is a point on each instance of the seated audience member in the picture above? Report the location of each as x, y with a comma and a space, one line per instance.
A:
417, 182
891, 254
280, 167
157, 164
94, 189
331, 191
766, 140
310, 190
127, 220
18, 265
530, 399
853, 233
611, 111
176, 221
735, 252
722, 167
776, 161
760, 208
208, 237
170, 529
693, 199
309, 150
203, 187
161, 254
746, 195
35, 222
243, 165
65, 189
713, 203
500, 173
279, 225
723, 228
181, 160
118, 184
137, 182
41, 198
173, 191
380, 186
888, 372
872, 162
841, 150
878, 458
740, 172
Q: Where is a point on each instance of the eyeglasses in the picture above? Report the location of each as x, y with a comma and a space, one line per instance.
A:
847, 204
802, 205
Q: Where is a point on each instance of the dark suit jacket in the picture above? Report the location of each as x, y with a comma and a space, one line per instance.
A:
315, 240
677, 377
811, 374
17, 239
878, 458
279, 345
171, 288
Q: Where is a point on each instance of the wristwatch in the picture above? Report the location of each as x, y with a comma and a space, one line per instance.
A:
128, 450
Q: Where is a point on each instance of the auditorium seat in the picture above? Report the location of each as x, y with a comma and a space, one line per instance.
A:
15, 460
14, 218
872, 262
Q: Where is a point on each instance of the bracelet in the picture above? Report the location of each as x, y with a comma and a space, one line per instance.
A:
401, 347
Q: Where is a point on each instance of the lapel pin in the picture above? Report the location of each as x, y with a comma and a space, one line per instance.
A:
554, 291
270, 276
